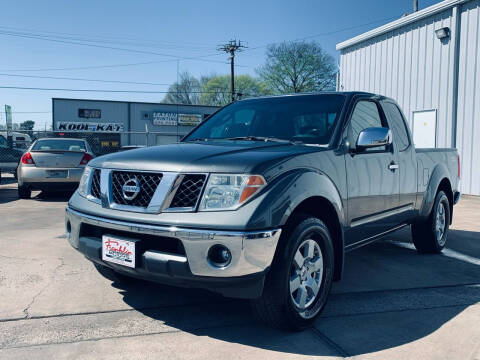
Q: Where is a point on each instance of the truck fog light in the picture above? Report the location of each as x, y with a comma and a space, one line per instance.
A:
219, 256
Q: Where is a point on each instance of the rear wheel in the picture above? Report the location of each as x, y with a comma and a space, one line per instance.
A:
431, 235
299, 282
24, 192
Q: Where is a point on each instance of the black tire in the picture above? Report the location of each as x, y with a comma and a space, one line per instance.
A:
426, 236
277, 306
24, 192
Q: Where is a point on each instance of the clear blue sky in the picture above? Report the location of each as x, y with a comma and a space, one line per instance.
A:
155, 29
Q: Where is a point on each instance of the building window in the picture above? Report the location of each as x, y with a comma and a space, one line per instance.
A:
89, 113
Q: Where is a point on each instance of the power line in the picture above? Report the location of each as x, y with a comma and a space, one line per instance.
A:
82, 79
136, 40
30, 112
112, 91
231, 48
92, 67
37, 37
331, 32
98, 80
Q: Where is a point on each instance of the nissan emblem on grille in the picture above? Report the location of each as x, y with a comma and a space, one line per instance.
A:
130, 189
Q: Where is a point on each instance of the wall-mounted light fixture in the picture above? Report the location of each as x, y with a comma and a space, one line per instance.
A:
443, 33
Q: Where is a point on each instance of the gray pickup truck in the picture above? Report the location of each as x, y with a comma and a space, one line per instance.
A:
263, 199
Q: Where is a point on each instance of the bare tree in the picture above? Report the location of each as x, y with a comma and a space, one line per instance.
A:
186, 91
293, 67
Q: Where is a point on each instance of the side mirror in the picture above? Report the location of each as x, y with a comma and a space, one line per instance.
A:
373, 137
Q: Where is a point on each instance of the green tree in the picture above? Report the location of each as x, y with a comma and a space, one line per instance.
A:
186, 91
27, 125
293, 67
216, 91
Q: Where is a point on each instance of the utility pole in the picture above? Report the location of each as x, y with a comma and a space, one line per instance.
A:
415, 6
231, 47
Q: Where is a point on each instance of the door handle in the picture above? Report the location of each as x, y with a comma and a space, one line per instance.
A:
393, 166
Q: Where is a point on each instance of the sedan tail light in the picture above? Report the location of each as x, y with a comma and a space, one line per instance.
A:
85, 159
27, 159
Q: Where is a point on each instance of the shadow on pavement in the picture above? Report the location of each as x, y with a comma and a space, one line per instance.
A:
53, 196
8, 195
390, 296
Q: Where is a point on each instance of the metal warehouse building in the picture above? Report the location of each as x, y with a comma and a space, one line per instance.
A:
111, 124
428, 61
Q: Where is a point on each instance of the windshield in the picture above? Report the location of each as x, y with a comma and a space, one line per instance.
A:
308, 119
60, 145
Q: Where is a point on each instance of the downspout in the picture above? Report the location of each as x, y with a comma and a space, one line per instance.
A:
457, 16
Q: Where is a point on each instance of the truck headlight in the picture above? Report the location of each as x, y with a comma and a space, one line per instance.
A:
228, 192
84, 181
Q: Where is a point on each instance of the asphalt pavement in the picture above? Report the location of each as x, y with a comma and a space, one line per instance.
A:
393, 303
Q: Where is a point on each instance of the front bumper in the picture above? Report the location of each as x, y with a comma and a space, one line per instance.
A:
252, 253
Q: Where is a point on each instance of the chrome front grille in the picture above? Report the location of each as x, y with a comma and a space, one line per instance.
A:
147, 184
95, 186
189, 191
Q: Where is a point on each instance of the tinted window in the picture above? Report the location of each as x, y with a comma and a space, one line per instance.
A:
3, 142
397, 124
62, 145
308, 119
365, 115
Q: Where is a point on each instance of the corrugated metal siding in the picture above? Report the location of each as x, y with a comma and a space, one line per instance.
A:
468, 122
416, 69
409, 65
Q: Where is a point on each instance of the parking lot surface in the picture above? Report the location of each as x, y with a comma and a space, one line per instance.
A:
393, 303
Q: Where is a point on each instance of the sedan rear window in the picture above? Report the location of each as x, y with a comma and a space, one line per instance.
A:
60, 145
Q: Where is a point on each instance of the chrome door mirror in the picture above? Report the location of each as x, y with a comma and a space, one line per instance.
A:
373, 137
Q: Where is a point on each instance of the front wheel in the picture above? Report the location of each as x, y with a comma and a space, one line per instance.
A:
299, 282
431, 235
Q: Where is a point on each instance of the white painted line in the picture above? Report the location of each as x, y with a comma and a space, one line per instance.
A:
446, 252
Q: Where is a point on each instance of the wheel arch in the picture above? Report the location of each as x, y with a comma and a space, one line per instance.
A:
439, 181
321, 208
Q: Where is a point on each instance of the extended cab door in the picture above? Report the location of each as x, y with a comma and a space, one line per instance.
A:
407, 160
372, 177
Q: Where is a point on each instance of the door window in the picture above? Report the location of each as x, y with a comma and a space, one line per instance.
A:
365, 115
397, 124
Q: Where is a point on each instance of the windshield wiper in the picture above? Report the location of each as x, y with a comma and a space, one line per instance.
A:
262, 138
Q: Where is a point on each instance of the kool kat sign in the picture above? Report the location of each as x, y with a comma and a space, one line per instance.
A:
89, 126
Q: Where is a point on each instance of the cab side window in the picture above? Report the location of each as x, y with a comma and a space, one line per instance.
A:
365, 115
397, 124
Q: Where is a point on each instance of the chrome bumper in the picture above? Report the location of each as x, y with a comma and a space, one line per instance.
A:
252, 251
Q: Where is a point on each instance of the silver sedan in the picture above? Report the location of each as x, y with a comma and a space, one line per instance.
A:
52, 164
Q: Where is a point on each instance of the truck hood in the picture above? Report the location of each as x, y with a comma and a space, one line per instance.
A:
224, 156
